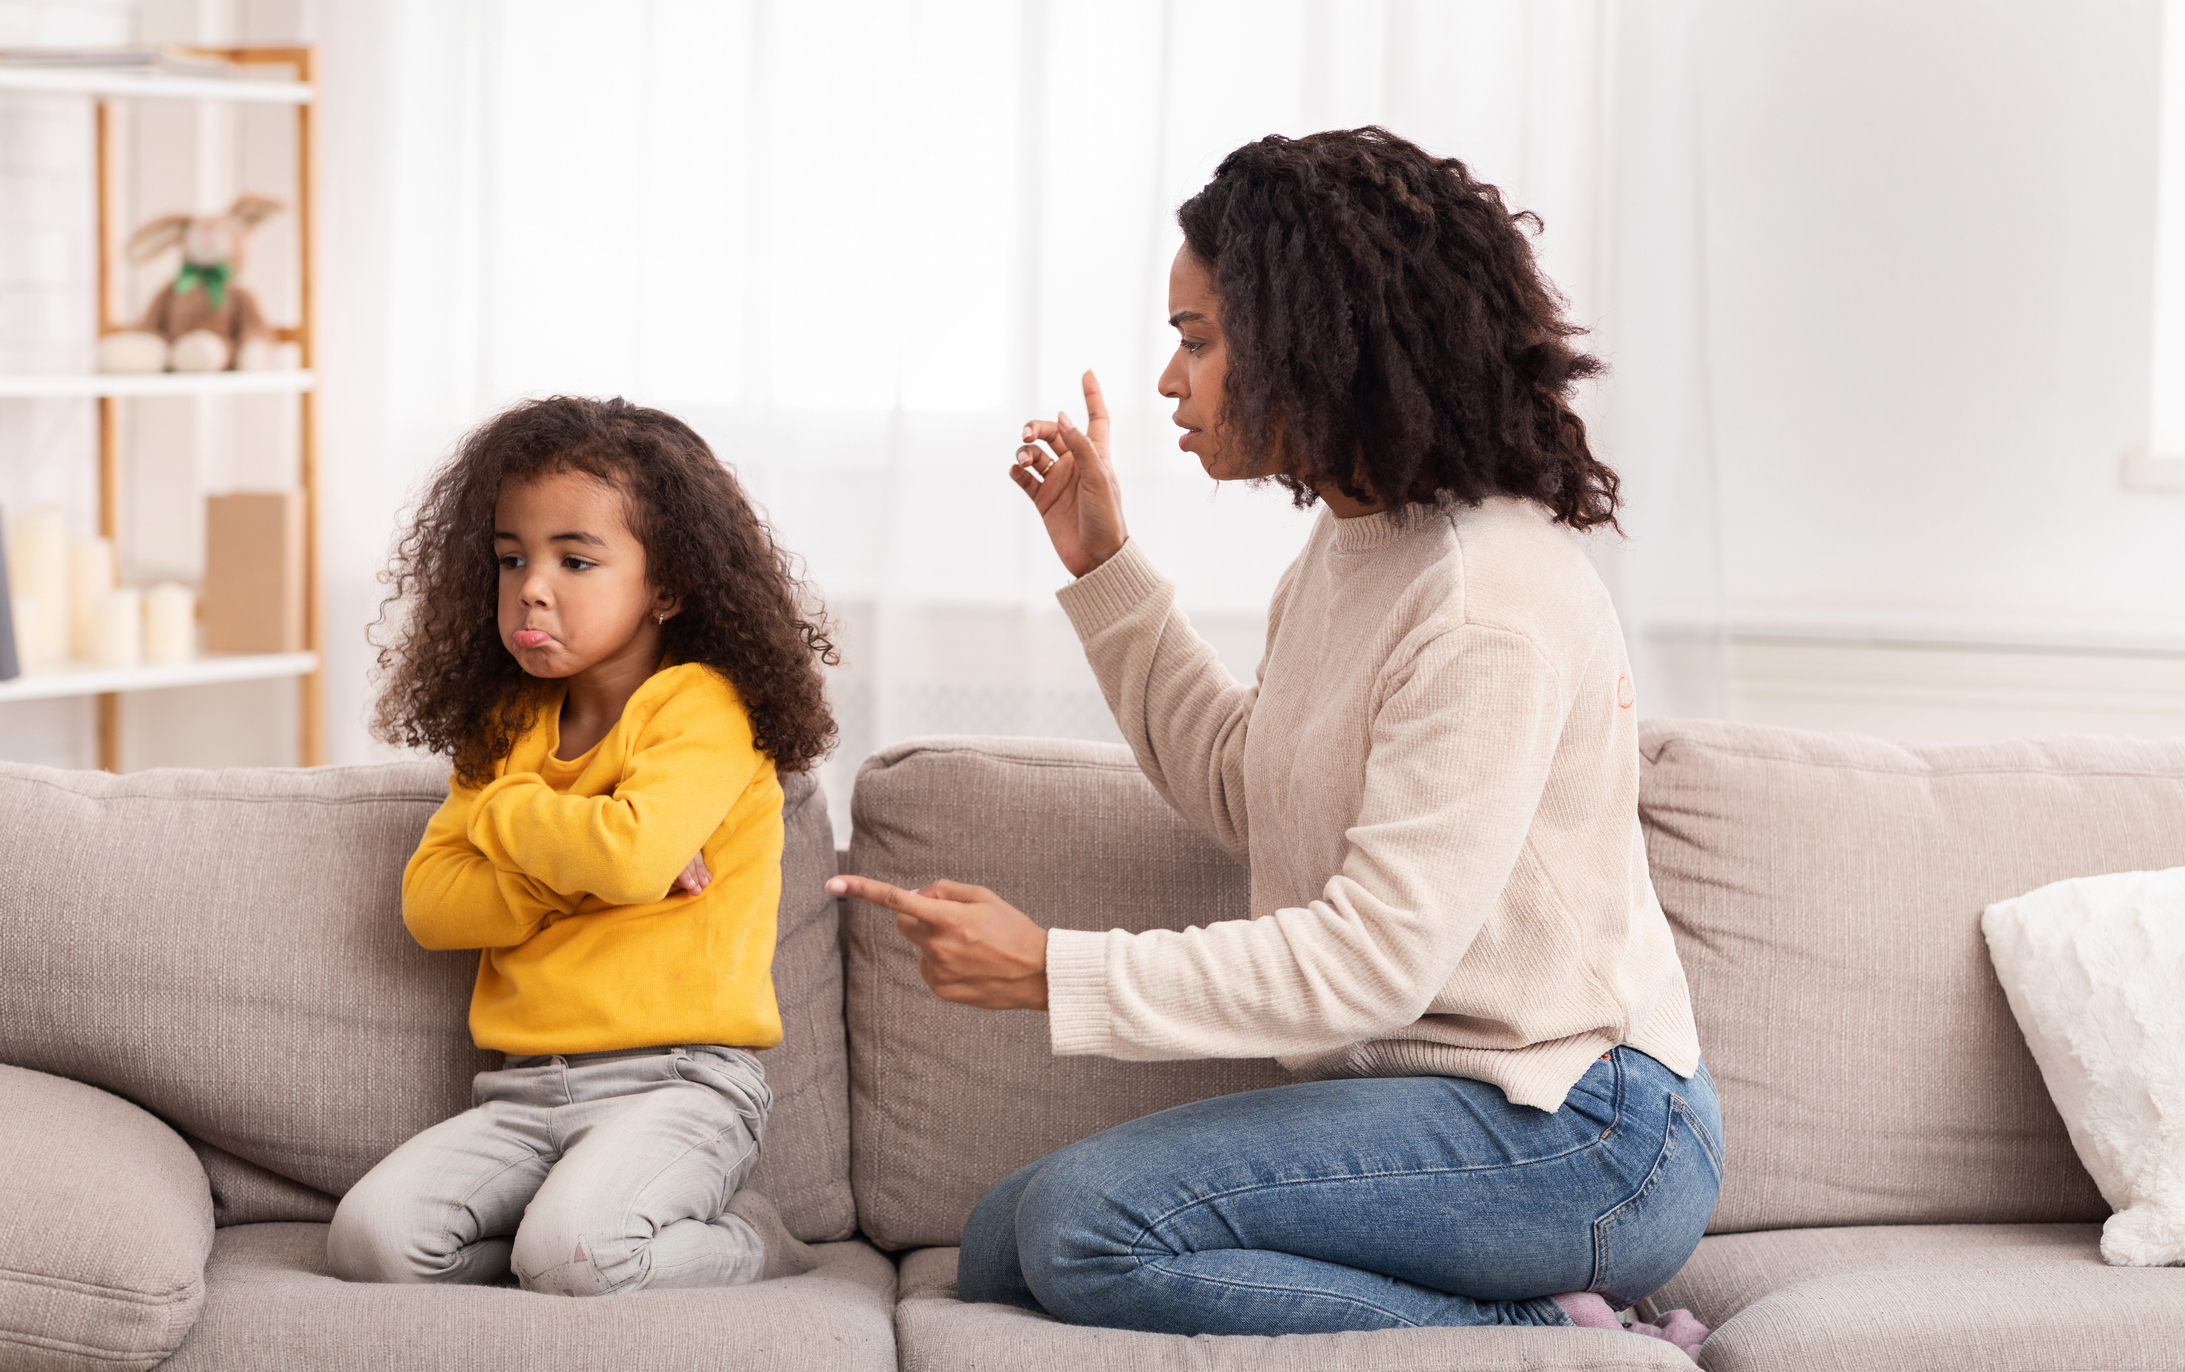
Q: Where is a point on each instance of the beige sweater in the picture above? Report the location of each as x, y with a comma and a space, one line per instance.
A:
1435, 784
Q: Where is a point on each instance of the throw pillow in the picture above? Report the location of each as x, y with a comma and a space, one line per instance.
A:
2094, 969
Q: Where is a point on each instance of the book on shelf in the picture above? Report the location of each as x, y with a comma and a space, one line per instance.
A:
11, 665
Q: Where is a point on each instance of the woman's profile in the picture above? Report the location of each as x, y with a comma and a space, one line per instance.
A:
1500, 1114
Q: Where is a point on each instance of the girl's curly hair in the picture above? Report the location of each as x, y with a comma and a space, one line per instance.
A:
1389, 331
450, 686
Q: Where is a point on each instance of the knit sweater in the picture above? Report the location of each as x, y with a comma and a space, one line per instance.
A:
562, 872
1435, 784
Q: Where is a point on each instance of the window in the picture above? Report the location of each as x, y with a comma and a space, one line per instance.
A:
2161, 465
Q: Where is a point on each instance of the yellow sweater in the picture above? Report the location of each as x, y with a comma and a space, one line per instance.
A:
563, 873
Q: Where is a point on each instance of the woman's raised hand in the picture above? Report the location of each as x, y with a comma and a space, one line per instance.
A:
1073, 484
974, 948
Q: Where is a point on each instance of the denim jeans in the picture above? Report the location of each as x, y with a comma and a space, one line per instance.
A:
1371, 1203
583, 1175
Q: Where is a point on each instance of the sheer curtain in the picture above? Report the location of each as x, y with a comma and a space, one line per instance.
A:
857, 244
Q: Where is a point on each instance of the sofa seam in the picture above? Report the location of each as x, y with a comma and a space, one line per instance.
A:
141, 794
126, 1295
1917, 771
25, 1339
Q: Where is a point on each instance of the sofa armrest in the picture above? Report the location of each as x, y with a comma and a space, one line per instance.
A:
105, 1225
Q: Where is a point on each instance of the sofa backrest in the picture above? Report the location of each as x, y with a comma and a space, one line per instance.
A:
946, 1100
226, 949
1826, 892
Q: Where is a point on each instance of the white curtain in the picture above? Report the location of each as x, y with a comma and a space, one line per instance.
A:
857, 244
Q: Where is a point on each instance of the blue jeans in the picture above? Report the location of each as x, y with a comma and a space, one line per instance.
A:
1371, 1203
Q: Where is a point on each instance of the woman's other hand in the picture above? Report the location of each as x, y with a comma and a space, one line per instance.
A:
974, 948
1073, 484
695, 877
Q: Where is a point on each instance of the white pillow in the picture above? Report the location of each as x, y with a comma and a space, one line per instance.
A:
2095, 971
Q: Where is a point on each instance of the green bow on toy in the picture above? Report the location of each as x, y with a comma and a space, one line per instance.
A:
213, 276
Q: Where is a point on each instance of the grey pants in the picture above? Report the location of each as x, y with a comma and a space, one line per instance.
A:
584, 1175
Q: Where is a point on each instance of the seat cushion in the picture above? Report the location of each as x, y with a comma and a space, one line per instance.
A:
105, 1221
1951, 1298
1826, 893
938, 1333
270, 1304
226, 949
947, 1100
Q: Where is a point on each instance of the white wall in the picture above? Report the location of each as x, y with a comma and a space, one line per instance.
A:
1930, 245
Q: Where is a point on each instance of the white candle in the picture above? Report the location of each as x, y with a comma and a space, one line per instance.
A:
91, 576
170, 623
38, 572
30, 635
118, 624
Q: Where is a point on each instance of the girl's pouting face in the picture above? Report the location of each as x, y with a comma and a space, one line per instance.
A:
573, 590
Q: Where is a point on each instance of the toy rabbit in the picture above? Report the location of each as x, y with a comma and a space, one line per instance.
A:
202, 321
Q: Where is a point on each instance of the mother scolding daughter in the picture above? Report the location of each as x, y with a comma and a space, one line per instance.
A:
1501, 1116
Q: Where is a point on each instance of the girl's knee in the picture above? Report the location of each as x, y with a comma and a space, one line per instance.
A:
377, 1237
565, 1251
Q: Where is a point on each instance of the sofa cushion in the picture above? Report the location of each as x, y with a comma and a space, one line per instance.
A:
105, 1221
227, 950
804, 1164
1826, 893
947, 1100
938, 1333
1989, 1298
271, 1305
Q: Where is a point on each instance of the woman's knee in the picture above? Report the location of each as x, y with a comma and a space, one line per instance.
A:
1079, 1236
986, 1260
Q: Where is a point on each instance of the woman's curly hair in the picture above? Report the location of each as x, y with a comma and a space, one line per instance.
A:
450, 686
1389, 332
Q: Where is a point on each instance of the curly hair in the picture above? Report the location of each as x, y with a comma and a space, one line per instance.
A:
452, 687
1389, 332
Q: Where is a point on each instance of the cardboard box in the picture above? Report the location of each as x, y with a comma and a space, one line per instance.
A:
253, 599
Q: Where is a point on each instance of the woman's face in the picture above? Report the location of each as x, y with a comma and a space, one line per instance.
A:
1194, 376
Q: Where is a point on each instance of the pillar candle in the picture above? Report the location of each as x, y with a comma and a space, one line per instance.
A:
30, 635
91, 576
118, 628
170, 623
38, 573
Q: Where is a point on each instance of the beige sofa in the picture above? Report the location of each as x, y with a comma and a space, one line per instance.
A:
213, 1023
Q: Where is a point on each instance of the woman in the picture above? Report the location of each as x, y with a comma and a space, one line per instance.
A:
1502, 1117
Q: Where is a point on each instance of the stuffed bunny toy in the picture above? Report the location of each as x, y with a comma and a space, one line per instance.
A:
202, 321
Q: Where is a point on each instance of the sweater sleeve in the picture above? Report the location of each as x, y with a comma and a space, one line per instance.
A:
688, 763
1183, 714
452, 897
1459, 760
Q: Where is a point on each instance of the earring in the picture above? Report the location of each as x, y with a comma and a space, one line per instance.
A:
660, 617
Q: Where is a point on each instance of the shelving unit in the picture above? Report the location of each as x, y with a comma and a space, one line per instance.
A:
107, 85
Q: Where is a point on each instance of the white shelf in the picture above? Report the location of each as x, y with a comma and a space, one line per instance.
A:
83, 679
287, 382
152, 85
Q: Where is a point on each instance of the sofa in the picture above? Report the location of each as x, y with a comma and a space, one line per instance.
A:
212, 1023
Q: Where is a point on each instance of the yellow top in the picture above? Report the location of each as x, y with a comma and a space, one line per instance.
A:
564, 872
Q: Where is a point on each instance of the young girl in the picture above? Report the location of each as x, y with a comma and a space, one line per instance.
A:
612, 843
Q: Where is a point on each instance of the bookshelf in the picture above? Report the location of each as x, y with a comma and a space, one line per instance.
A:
258, 75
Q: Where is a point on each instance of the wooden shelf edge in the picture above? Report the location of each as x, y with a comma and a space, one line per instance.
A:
118, 81
86, 385
80, 679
